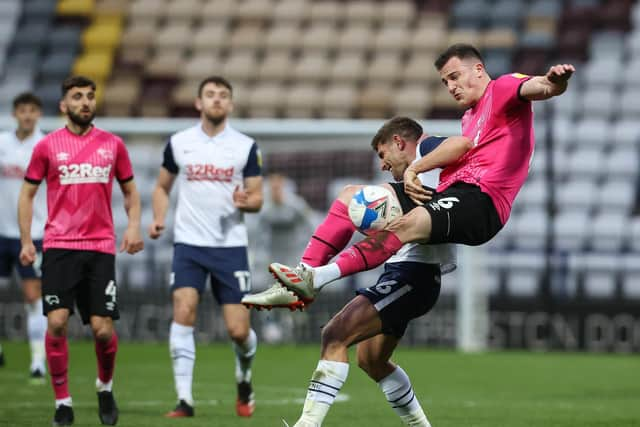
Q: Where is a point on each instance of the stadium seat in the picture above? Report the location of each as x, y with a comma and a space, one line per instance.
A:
31, 36
429, 36
311, 67
199, 66
184, 10
147, 9
534, 194
165, 64
570, 230
498, 63
506, 14
592, 132
361, 12
219, 10
622, 163
276, 67
418, 69
530, 229
598, 101
121, 95
465, 35
373, 101
330, 11
57, 65
11, 9
469, 14
339, 101
397, 13
600, 272
584, 163
291, 11
391, 40
357, 38
175, 35
241, 66
412, 100
247, 36
320, 37
266, 100
608, 231
282, 37
625, 132
348, 67
524, 271
301, 101
628, 103
631, 277
210, 38
607, 46
384, 68
255, 10
45, 9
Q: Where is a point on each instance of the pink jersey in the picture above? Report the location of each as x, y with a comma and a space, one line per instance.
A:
501, 127
79, 172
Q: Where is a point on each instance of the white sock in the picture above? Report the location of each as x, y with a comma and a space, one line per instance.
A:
400, 395
182, 347
100, 386
244, 356
36, 328
66, 402
326, 382
325, 274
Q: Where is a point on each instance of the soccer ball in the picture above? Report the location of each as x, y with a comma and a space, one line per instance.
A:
373, 207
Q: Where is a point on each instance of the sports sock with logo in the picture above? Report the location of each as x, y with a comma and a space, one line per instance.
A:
244, 356
368, 253
331, 236
106, 355
326, 382
57, 351
400, 395
182, 347
36, 330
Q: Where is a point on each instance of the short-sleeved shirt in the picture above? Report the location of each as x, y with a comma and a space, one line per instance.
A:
14, 159
442, 254
208, 170
501, 127
79, 171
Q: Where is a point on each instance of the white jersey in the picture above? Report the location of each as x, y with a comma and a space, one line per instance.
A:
14, 159
443, 254
208, 171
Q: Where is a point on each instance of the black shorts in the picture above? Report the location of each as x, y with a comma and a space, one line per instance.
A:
86, 279
460, 214
404, 291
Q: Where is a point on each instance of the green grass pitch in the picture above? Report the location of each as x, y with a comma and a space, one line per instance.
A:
497, 389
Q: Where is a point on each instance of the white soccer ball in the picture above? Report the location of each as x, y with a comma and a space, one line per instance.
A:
373, 207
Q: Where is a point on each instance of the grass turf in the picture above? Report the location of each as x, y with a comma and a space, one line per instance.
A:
506, 389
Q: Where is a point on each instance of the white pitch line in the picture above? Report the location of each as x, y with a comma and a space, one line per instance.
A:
151, 403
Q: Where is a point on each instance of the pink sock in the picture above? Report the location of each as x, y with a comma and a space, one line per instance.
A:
368, 253
106, 355
330, 237
58, 359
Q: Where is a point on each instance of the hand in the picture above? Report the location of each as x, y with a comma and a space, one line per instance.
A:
414, 189
240, 198
156, 228
560, 74
28, 254
132, 241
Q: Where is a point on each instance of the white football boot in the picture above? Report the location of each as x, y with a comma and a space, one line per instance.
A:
275, 296
298, 279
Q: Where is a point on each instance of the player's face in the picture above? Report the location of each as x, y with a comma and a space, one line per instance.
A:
392, 159
214, 103
464, 80
27, 115
79, 104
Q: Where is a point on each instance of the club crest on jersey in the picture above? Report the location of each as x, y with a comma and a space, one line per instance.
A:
105, 153
62, 156
83, 173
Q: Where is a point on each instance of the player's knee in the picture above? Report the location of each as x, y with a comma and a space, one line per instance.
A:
413, 226
102, 333
56, 325
184, 314
332, 336
370, 365
238, 334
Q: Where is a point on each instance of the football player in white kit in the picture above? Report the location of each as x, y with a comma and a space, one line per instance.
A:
218, 172
15, 152
378, 316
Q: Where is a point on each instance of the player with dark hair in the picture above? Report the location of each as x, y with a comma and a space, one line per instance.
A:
481, 174
78, 163
378, 316
218, 170
15, 151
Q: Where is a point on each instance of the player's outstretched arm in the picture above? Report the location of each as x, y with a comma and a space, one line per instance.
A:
132, 240
160, 201
25, 216
552, 84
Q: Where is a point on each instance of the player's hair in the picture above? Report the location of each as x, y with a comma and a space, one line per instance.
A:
406, 127
26, 98
458, 50
218, 80
76, 81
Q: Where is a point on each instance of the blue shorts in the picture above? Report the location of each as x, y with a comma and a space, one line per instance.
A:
404, 291
227, 267
10, 257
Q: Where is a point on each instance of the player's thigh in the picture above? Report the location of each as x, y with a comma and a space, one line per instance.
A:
62, 277
99, 296
188, 269
230, 274
357, 321
405, 291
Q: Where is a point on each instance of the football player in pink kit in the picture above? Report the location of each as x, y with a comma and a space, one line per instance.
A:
481, 174
79, 163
